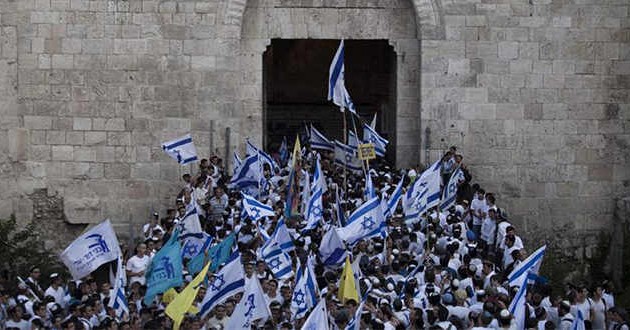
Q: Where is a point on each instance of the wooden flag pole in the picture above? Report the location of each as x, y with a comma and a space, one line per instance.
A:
345, 142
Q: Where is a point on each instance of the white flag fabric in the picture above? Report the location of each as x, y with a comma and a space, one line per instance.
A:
332, 251
529, 266
346, 156
305, 292
392, 203
337, 91
319, 141
181, 149
425, 192
256, 209
371, 136
252, 306
365, 222
517, 305
353, 140
93, 248
189, 223
318, 320
119, 301
236, 163
229, 281
450, 191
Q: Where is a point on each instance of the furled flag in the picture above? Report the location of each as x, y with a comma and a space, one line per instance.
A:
195, 244
305, 292
177, 308
346, 156
318, 319
394, 199
424, 193
119, 300
332, 251
253, 306
284, 151
365, 222
341, 218
347, 284
371, 136
315, 206
353, 140
449, 193
277, 259
337, 91
291, 208
578, 322
369, 191
373, 123
256, 209
236, 163
229, 281
181, 149
319, 141
165, 270
93, 248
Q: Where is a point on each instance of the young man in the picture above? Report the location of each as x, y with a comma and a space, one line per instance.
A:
55, 290
137, 265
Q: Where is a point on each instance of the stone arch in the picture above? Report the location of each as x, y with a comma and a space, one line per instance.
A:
257, 22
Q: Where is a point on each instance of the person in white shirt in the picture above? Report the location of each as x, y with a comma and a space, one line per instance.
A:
149, 228
137, 265
55, 290
15, 319
479, 209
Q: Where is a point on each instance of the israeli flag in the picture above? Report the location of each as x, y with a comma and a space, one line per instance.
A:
195, 244
282, 237
353, 140
93, 248
346, 156
450, 191
277, 259
189, 224
284, 151
529, 266
336, 81
247, 175
315, 206
395, 198
229, 281
181, 149
253, 306
355, 322
165, 270
318, 320
518, 304
369, 191
332, 251
119, 301
341, 218
365, 222
256, 209
319, 141
371, 136
305, 292
425, 191
236, 163
252, 150
578, 322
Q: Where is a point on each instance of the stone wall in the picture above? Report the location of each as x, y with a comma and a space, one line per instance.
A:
533, 92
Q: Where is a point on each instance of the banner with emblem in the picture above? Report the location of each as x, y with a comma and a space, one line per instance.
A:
93, 248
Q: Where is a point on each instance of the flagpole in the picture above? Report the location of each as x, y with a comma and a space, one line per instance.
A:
345, 142
356, 134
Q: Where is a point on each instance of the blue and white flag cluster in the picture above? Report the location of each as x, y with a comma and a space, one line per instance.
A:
305, 292
229, 281
319, 141
337, 91
181, 149
371, 136
365, 222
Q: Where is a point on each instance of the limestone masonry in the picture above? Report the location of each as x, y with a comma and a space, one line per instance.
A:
534, 93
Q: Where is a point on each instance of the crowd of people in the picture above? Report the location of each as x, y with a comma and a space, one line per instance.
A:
440, 270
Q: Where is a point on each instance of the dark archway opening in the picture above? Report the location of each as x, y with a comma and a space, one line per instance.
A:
295, 75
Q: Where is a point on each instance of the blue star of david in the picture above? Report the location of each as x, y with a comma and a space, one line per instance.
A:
348, 158
217, 283
367, 223
299, 297
190, 249
274, 263
255, 212
317, 211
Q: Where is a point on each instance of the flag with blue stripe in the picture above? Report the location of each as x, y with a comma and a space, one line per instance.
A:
181, 149
256, 209
353, 140
578, 322
319, 141
365, 222
346, 156
341, 218
252, 150
236, 163
275, 255
337, 91
394, 198
318, 319
247, 175
305, 292
253, 306
165, 270
229, 281
369, 191
332, 251
189, 224
519, 277
315, 206
425, 191
195, 244
449, 193
371, 136
282, 237
531, 265
119, 300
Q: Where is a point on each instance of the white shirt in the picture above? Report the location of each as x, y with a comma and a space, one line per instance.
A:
477, 205
57, 294
136, 264
22, 324
487, 230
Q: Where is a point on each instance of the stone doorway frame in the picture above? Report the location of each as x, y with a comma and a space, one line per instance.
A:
403, 24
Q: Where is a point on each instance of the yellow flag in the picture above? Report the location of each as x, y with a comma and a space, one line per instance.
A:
297, 150
182, 302
347, 287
